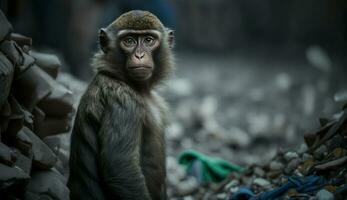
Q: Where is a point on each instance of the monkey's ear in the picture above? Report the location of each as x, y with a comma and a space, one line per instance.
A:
103, 40
170, 37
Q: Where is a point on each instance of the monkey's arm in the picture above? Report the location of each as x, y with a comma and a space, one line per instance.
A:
120, 137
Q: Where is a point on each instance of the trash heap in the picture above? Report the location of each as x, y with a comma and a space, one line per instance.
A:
34, 108
316, 170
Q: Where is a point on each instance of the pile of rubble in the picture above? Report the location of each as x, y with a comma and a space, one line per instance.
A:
322, 161
34, 108
245, 109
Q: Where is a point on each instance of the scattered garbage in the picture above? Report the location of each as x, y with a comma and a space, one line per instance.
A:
317, 170
205, 168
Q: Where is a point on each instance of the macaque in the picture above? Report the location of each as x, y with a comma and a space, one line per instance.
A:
117, 144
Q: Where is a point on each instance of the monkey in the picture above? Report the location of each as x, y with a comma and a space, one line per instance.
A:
117, 142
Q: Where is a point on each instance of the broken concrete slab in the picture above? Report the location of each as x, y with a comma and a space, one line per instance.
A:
44, 158
16, 121
12, 52
53, 126
48, 183
12, 178
23, 142
28, 61
5, 155
48, 62
59, 103
21, 40
23, 162
6, 77
37, 84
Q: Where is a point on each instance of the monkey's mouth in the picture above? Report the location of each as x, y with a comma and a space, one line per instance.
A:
140, 72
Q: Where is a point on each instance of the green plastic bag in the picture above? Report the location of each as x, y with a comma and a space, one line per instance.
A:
213, 169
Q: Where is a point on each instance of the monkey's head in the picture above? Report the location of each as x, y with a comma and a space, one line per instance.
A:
137, 46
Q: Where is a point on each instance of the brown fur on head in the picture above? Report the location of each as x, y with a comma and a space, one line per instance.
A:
114, 60
138, 20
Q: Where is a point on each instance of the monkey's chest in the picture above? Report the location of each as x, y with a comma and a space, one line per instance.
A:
153, 114
153, 149
153, 129
153, 145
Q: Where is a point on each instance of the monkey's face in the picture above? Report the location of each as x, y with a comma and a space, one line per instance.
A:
139, 47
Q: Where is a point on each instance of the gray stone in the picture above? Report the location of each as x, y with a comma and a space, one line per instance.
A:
21, 40
27, 62
290, 155
180, 87
53, 142
319, 58
23, 142
302, 149
221, 196
48, 183
16, 121
33, 196
5, 111
44, 158
324, 195
238, 137
175, 171
12, 52
306, 157
6, 76
231, 184
23, 162
37, 83
275, 166
53, 126
5, 154
292, 165
174, 131
10, 176
72, 83
38, 116
188, 198
259, 172
187, 186
320, 152
48, 62
262, 182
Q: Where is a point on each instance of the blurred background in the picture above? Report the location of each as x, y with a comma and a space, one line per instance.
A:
252, 76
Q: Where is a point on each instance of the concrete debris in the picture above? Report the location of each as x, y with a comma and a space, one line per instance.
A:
324, 195
33, 106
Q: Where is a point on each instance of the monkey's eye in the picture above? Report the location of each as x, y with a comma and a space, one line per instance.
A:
149, 41
129, 41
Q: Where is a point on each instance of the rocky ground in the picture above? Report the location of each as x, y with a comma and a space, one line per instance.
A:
245, 108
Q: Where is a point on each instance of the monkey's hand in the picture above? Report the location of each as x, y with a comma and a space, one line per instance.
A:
119, 162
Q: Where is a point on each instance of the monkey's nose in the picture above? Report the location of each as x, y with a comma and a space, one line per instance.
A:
140, 55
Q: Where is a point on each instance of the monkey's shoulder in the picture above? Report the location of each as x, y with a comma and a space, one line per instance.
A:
105, 93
